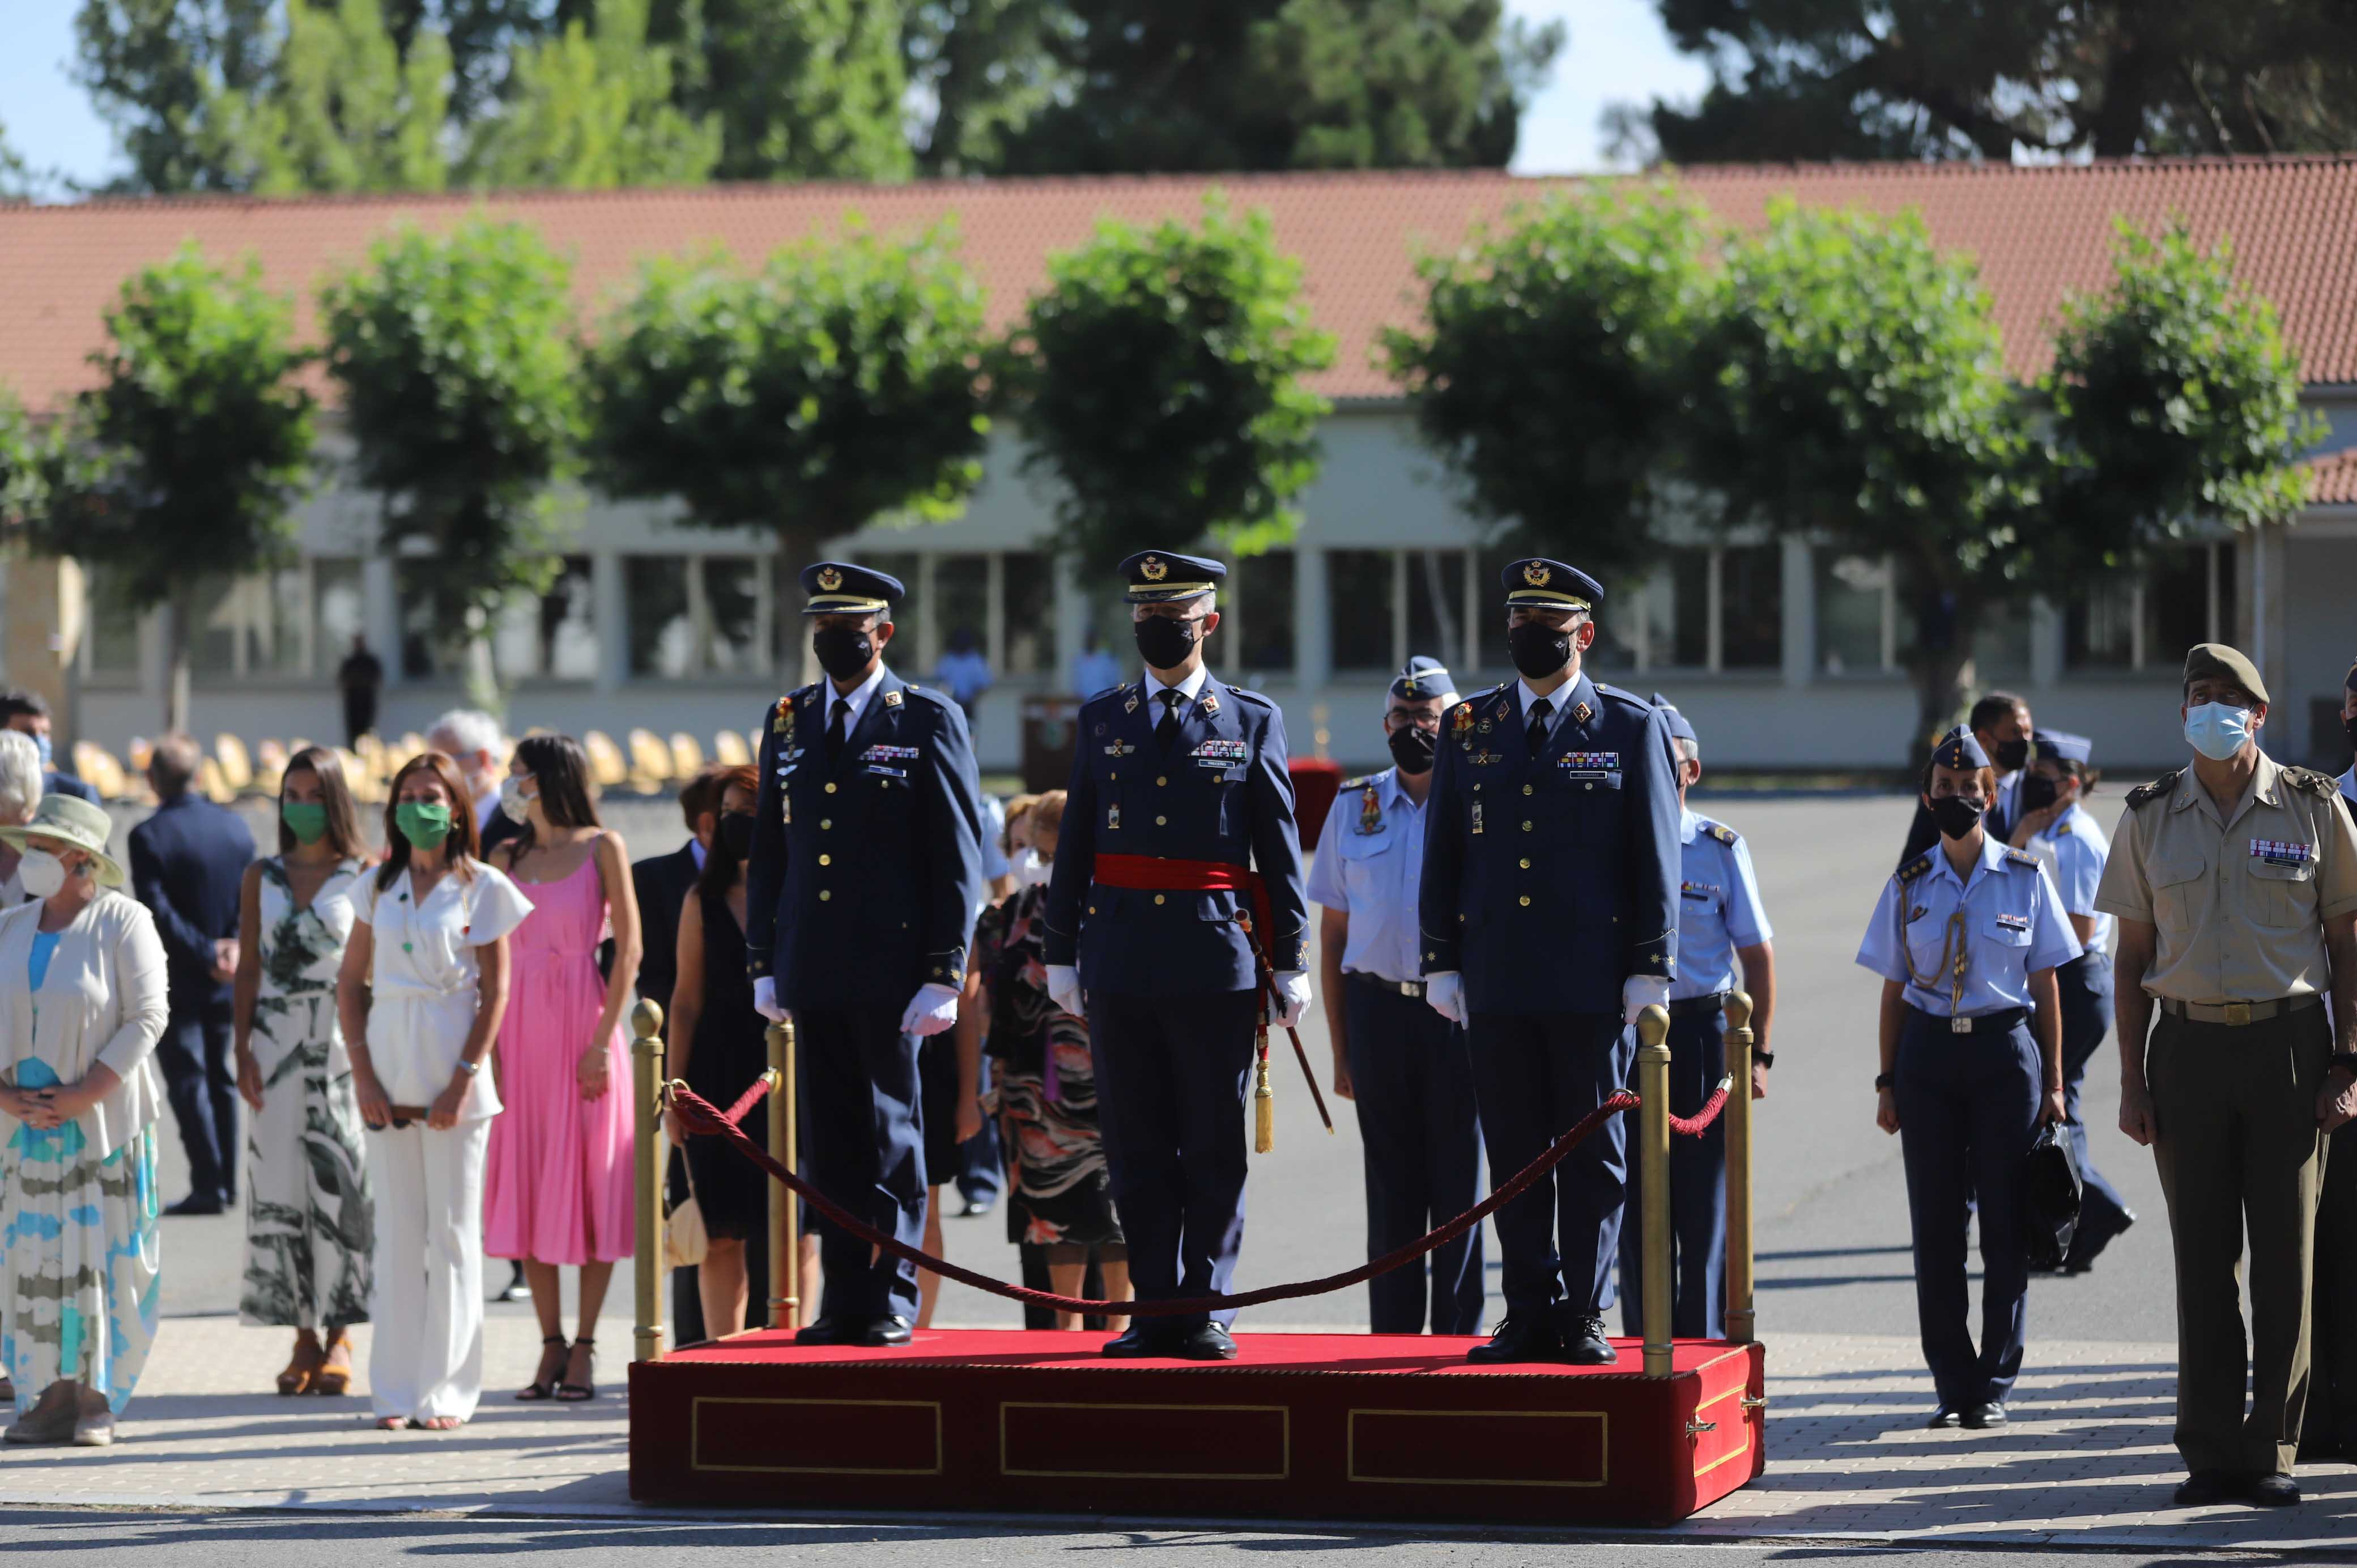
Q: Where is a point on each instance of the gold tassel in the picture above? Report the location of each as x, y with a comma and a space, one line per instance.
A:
1264, 1107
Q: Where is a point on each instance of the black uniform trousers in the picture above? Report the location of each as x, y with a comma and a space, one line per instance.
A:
2330, 1419
1967, 1110
864, 1146
2085, 985
1421, 1143
1697, 1195
200, 1079
1172, 1073
1534, 1075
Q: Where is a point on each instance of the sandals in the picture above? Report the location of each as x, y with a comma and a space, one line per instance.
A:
575, 1394
545, 1386
303, 1367
335, 1374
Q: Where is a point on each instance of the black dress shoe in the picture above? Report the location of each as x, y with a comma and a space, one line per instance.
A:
1982, 1416
821, 1331
2271, 1490
1204, 1342
1518, 1339
884, 1332
1944, 1419
1584, 1341
2085, 1245
1143, 1336
197, 1205
2204, 1488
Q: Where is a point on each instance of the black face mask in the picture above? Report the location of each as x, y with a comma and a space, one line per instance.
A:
843, 652
2037, 792
1538, 648
2010, 754
1412, 748
737, 833
1165, 642
1955, 815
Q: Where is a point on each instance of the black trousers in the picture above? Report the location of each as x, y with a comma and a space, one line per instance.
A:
1421, 1143
201, 1078
1534, 1075
1697, 1195
1967, 1110
1172, 1073
2085, 987
864, 1134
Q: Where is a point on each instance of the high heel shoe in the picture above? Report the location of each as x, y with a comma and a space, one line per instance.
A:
574, 1394
335, 1374
304, 1366
544, 1385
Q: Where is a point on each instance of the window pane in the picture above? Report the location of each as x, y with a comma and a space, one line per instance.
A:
214, 621
278, 611
427, 647
735, 639
1262, 585
554, 637
1358, 590
114, 625
1850, 591
2001, 648
2177, 605
1751, 606
1614, 652
1028, 602
1677, 611
663, 637
338, 610
961, 615
2098, 633
1436, 605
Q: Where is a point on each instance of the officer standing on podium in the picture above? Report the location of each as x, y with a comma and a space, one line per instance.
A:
860, 892
1720, 921
1178, 791
1549, 913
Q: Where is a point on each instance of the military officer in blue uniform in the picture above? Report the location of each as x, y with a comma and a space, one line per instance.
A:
860, 893
2053, 823
1967, 937
1549, 917
1720, 921
1178, 823
1403, 1065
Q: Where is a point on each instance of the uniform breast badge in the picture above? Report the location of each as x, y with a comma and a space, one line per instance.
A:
1371, 813
1113, 817
1211, 703
1477, 816
782, 719
1130, 706
892, 699
2278, 851
1462, 726
1582, 713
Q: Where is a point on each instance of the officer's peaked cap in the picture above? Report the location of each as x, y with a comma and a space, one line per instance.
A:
1550, 585
840, 588
1162, 577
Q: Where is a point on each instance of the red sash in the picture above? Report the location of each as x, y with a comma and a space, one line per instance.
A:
1154, 874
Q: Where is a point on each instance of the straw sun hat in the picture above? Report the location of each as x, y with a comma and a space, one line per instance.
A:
72, 822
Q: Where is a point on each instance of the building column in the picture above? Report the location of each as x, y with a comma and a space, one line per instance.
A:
1312, 645
610, 602
2046, 639
1800, 613
1072, 613
40, 618
381, 615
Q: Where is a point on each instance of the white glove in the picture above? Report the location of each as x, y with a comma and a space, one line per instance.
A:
1064, 989
1292, 996
1446, 992
932, 1009
1640, 992
765, 999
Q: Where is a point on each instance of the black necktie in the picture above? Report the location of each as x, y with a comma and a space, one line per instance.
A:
1168, 729
835, 726
1538, 724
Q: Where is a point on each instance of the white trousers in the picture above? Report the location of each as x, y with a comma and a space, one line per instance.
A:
426, 1304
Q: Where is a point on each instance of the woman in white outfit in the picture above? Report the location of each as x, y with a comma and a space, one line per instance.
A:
423, 982
20, 791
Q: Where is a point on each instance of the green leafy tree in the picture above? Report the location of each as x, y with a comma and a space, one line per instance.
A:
987, 67
589, 111
461, 388
187, 457
1160, 378
1552, 375
1928, 79
21, 487
803, 89
347, 107
839, 384
1269, 84
157, 68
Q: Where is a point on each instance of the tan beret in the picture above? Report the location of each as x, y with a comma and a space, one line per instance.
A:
2216, 662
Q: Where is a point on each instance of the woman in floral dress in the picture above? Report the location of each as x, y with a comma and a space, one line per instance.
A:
309, 1223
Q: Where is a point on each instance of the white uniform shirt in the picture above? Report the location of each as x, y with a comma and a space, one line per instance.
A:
2073, 849
2012, 926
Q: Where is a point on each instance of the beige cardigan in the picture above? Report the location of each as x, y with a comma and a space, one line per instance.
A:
102, 1001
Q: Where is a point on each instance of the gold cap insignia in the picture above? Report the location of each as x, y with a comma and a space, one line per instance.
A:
1536, 574
829, 578
1152, 570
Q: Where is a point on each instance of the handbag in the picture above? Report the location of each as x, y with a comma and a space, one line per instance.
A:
684, 1241
2050, 1190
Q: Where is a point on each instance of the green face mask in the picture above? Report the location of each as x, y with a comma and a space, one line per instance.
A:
306, 819
424, 823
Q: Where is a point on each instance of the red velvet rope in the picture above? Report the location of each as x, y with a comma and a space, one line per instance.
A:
1694, 1126
699, 1117
747, 1100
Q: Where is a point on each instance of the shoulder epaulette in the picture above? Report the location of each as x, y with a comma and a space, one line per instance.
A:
2020, 857
1618, 695
939, 699
1250, 696
2059, 831
1361, 782
2159, 786
1915, 867
2308, 781
1721, 831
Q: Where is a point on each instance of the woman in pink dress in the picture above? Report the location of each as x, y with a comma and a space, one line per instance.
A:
559, 1188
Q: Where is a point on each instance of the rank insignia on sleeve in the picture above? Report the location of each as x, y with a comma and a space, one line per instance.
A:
1723, 833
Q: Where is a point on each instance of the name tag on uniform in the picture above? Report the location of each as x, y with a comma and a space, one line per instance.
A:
1701, 891
891, 753
1222, 754
2278, 851
1591, 765
879, 771
2013, 922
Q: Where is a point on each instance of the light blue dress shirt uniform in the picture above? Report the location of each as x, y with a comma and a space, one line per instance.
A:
1718, 907
2073, 849
2013, 927
1371, 868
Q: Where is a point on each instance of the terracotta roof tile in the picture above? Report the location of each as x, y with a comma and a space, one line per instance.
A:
2333, 478
2038, 232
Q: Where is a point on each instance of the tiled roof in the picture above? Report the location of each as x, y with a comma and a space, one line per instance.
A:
2333, 478
2038, 232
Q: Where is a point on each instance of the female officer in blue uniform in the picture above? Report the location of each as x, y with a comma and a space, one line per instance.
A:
1967, 937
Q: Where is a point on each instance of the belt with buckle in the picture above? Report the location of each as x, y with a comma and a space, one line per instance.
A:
2234, 1015
1404, 987
1687, 1006
1995, 1023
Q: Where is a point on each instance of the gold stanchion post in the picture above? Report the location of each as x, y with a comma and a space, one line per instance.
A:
785, 1208
1739, 1321
1653, 1152
646, 1079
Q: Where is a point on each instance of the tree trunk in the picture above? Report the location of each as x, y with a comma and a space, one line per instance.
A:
797, 548
176, 634
483, 680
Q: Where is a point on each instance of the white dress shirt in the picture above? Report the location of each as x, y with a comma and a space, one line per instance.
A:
856, 700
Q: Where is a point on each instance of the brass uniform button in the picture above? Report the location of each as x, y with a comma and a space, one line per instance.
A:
825, 823
829, 860
1093, 908
1161, 821
1526, 900
1526, 862
1526, 824
1526, 789
823, 894
1164, 780
1158, 899
830, 788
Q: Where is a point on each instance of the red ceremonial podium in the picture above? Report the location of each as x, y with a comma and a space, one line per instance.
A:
1310, 1427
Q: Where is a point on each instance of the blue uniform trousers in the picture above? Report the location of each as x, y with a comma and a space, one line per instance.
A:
200, 1080
2086, 993
1421, 1144
1967, 1110
1172, 1073
864, 1146
1697, 1195
1534, 1075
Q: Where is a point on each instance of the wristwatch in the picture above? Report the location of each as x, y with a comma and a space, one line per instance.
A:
469, 1068
1763, 1058
1882, 1081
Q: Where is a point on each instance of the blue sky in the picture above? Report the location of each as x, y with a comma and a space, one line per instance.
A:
1617, 51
